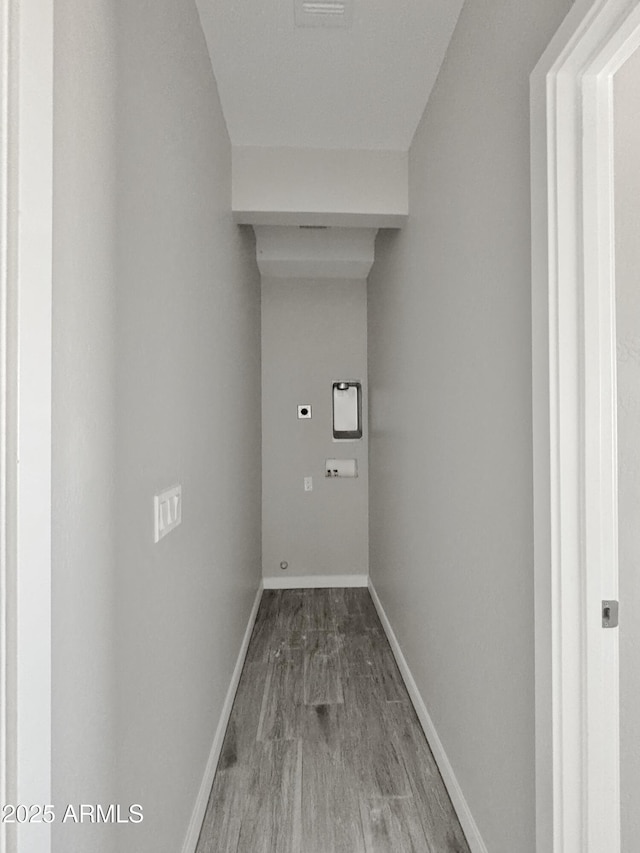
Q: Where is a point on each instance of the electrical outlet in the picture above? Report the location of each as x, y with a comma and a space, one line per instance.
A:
308, 484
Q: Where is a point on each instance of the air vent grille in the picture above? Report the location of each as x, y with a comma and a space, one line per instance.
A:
311, 8
323, 13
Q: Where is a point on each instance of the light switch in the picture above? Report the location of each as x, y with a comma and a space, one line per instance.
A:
167, 512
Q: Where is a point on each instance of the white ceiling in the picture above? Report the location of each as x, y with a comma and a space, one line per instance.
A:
364, 86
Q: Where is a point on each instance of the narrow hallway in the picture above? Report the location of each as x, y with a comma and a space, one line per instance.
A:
324, 752
247, 210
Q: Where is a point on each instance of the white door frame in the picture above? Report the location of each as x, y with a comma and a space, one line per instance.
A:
7, 423
26, 167
574, 407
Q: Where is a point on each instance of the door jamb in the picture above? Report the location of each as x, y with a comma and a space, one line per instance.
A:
574, 408
8, 426
26, 188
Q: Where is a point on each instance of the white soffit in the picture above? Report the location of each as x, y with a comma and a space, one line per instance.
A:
315, 253
362, 84
283, 186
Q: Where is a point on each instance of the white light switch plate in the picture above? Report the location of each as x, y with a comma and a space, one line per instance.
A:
167, 511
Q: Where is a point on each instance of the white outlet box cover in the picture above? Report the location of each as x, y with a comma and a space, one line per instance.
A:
167, 511
341, 468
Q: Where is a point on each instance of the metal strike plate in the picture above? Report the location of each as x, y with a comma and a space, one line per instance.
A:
609, 614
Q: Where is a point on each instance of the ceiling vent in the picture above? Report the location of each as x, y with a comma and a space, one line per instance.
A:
323, 13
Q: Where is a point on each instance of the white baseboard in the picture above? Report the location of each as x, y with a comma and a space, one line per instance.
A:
193, 832
465, 817
314, 581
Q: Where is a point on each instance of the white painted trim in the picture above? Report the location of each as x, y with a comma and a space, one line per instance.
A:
575, 496
8, 414
463, 811
29, 479
195, 824
315, 581
330, 220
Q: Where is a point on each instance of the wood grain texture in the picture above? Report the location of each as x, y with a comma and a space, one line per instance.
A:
393, 824
283, 696
324, 752
330, 820
322, 670
272, 810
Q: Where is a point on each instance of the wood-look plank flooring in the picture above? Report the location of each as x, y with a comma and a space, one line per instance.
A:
323, 752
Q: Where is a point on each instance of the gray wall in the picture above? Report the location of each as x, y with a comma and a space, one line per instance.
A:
156, 381
627, 212
450, 384
188, 396
84, 260
314, 332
